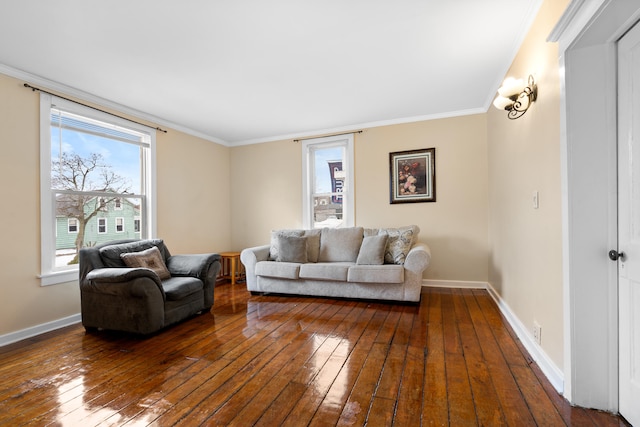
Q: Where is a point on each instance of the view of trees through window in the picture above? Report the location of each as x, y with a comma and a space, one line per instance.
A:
97, 182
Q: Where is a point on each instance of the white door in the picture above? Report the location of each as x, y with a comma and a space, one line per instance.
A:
629, 223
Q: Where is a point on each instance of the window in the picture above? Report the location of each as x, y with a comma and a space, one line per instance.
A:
92, 163
136, 224
119, 225
102, 225
327, 168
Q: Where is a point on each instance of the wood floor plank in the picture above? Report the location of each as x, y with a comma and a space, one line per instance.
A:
283, 360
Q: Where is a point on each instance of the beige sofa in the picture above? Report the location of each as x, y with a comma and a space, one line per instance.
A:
352, 262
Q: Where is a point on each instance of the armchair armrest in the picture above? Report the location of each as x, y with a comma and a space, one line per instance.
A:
192, 265
136, 282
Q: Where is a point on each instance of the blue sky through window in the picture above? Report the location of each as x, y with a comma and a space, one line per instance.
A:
124, 158
323, 177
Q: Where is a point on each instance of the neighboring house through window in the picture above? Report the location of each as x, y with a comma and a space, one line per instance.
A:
327, 169
92, 164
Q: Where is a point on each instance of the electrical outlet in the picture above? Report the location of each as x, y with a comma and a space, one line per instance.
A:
536, 200
537, 333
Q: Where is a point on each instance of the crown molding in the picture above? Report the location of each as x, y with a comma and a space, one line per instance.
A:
367, 125
81, 95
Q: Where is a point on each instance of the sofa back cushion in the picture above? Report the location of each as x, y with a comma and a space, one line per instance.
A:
340, 244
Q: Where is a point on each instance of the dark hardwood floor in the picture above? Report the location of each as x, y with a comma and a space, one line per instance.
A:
274, 360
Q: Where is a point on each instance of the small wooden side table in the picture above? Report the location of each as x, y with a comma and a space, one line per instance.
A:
231, 267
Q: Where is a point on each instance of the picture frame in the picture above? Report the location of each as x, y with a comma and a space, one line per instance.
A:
412, 176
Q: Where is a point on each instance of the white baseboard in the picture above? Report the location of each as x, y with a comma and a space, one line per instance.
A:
549, 369
454, 284
39, 329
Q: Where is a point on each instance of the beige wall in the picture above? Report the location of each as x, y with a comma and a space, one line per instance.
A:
525, 262
455, 226
193, 208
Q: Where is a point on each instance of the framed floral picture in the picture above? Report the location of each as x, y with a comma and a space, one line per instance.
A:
413, 176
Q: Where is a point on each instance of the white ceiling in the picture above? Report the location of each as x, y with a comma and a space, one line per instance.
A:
245, 71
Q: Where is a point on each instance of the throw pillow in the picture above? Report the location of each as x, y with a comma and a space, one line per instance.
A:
274, 249
292, 249
399, 243
149, 258
372, 250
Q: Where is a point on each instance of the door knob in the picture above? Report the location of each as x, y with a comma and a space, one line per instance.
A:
614, 255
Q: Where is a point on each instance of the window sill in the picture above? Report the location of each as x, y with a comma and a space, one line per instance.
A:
57, 277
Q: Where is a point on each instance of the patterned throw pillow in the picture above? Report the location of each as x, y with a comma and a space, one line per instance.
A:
399, 243
149, 258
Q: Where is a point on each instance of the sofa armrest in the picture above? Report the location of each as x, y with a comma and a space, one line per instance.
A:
418, 258
136, 282
249, 258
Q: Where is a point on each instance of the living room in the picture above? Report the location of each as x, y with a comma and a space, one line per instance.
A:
483, 230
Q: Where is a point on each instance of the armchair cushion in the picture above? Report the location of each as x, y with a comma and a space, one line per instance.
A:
149, 258
177, 288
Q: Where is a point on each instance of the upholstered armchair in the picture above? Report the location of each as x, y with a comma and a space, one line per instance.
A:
138, 286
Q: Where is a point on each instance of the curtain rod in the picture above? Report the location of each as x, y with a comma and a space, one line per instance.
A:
27, 85
325, 136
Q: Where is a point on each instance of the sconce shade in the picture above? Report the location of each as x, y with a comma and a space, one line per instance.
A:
516, 96
511, 88
502, 103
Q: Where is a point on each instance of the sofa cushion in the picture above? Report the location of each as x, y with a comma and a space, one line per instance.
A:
292, 249
376, 274
149, 258
372, 250
340, 244
282, 270
111, 254
177, 288
325, 271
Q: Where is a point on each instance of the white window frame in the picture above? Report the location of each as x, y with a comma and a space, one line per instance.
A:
308, 176
121, 219
117, 204
49, 273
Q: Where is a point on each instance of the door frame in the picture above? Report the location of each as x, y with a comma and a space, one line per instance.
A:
587, 35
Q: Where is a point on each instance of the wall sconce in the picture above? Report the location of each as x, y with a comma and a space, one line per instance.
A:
516, 97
